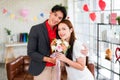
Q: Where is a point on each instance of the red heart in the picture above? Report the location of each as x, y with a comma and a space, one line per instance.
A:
92, 16
85, 7
102, 5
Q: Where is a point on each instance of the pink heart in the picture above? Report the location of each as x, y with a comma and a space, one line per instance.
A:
85, 8
92, 16
4, 11
102, 5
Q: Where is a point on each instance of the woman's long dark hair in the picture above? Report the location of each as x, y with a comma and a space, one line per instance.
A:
72, 38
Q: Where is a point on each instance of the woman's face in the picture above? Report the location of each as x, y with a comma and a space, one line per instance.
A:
64, 31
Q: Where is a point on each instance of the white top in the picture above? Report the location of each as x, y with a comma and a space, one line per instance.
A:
75, 74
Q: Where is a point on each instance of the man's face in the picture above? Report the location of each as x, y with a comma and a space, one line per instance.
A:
55, 18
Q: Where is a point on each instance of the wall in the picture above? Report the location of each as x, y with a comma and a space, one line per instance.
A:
36, 12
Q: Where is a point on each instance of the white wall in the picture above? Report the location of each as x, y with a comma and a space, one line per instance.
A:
16, 23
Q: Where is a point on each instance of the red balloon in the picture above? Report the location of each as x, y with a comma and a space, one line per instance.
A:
102, 5
85, 8
92, 16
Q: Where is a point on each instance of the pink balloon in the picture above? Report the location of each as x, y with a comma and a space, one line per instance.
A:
24, 12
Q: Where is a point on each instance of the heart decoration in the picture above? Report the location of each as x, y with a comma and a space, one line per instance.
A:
42, 14
24, 12
85, 8
4, 11
68, 17
92, 16
117, 54
102, 5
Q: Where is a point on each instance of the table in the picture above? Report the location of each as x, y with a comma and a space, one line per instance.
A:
9, 50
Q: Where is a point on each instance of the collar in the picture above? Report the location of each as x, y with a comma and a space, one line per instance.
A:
49, 27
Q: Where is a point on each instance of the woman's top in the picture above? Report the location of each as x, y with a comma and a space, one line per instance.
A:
75, 74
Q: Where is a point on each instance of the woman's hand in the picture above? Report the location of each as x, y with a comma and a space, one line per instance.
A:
61, 57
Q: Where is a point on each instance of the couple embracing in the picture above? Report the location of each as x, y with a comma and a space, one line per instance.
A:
42, 66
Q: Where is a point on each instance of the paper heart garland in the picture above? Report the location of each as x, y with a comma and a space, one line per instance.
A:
4, 11
92, 16
117, 54
85, 8
42, 14
102, 5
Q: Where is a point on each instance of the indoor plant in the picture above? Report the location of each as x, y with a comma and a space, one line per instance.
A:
118, 19
8, 35
8, 31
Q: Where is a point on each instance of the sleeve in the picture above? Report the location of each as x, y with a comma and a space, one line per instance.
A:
76, 49
33, 45
91, 58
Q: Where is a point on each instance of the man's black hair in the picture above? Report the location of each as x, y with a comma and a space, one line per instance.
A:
60, 8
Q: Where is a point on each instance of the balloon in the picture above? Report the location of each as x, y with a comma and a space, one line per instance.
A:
85, 8
92, 16
24, 12
102, 5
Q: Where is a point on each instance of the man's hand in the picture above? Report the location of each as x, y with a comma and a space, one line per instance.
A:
49, 59
84, 51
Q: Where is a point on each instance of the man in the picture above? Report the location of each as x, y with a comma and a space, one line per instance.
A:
40, 37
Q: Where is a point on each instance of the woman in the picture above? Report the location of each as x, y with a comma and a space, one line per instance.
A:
75, 61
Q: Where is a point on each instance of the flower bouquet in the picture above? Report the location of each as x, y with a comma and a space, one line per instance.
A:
58, 46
